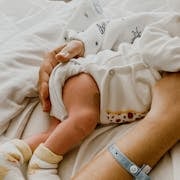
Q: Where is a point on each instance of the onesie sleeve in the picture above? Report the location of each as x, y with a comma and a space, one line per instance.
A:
92, 37
108, 34
160, 44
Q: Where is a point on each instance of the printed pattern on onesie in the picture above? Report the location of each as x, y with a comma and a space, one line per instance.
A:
124, 116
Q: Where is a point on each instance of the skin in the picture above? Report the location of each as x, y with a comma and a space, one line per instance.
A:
160, 126
148, 141
61, 54
82, 106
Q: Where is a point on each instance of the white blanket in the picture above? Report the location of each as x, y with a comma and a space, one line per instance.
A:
27, 32
23, 51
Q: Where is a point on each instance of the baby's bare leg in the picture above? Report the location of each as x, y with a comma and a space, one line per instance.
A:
149, 140
35, 140
81, 99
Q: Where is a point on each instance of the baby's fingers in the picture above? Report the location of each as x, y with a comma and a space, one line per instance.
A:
71, 50
65, 55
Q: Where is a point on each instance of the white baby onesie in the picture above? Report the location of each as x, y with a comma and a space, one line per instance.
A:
125, 77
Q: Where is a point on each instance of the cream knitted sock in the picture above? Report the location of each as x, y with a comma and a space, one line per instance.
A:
43, 164
13, 154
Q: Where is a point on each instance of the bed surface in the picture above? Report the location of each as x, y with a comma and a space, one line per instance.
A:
21, 113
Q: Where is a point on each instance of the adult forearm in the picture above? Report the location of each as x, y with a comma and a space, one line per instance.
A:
147, 142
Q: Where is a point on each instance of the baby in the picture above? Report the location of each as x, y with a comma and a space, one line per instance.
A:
113, 86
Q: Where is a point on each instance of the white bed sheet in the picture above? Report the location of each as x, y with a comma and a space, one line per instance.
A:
23, 116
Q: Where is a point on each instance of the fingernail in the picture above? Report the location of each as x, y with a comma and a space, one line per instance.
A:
64, 54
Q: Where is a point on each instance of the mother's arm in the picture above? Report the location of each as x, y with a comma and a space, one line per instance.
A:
150, 139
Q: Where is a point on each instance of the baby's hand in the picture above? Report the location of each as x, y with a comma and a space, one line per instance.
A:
62, 54
74, 48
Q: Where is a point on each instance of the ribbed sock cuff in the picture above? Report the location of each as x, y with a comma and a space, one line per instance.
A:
47, 155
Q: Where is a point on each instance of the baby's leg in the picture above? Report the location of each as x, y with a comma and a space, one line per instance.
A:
81, 99
36, 139
16, 152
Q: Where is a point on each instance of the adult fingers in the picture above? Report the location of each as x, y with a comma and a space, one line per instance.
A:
58, 49
44, 96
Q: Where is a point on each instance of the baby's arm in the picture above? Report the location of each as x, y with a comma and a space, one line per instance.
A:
160, 44
108, 34
61, 54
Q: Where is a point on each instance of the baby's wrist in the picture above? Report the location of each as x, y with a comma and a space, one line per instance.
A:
81, 54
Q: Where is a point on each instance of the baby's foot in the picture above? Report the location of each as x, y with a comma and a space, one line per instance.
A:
12, 155
43, 164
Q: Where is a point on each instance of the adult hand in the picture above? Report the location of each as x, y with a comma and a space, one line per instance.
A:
61, 54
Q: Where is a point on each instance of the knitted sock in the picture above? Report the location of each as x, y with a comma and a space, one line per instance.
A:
13, 154
43, 164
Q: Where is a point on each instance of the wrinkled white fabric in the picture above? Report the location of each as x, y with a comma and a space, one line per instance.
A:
144, 45
26, 117
22, 53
